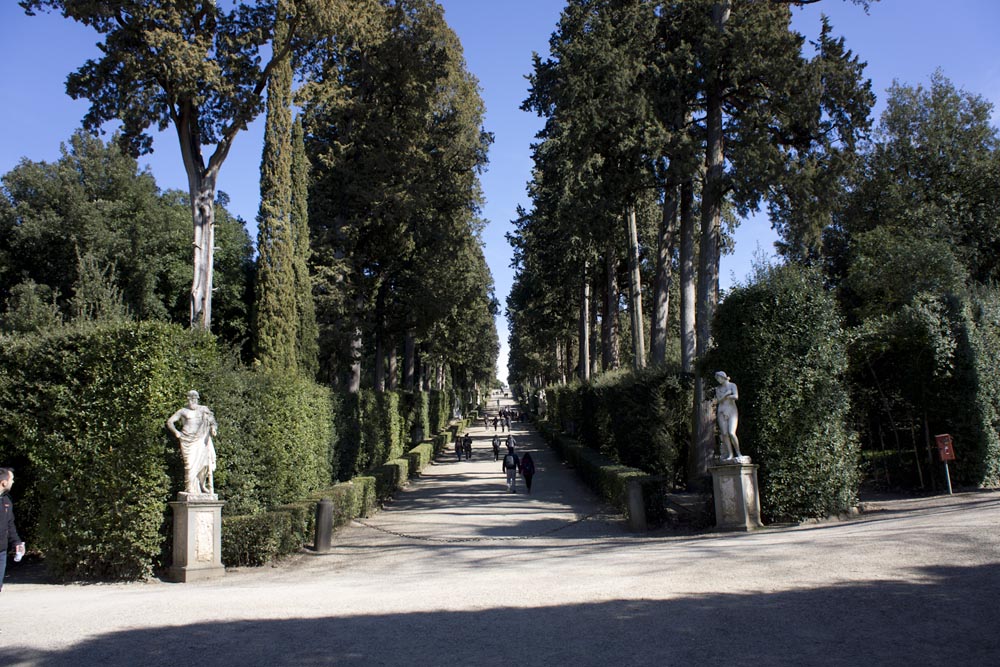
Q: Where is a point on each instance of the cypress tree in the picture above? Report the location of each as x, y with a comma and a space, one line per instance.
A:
307, 347
275, 318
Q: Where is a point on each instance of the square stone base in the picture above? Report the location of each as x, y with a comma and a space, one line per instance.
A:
197, 550
737, 500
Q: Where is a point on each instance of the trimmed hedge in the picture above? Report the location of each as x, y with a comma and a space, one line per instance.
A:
391, 477
640, 419
419, 457
781, 341
83, 411
258, 539
606, 477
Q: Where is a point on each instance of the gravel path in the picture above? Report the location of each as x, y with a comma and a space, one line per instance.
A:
457, 571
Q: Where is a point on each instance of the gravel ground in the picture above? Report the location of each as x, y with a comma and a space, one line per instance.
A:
457, 571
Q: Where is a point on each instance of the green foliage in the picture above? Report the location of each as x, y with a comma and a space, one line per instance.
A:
925, 369
640, 419
946, 195
307, 347
781, 341
275, 306
373, 432
91, 235
276, 435
414, 408
439, 410
419, 457
390, 477
394, 133
257, 539
353, 499
31, 307
635, 418
83, 408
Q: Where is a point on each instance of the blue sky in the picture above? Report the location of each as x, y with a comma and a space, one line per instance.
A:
899, 39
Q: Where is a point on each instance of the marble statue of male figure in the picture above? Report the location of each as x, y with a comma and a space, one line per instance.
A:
197, 448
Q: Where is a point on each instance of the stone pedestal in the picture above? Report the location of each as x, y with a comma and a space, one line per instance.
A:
197, 538
737, 499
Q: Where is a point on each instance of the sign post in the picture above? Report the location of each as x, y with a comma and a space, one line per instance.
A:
946, 452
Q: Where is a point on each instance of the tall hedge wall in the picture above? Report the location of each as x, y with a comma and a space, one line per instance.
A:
781, 342
637, 419
82, 413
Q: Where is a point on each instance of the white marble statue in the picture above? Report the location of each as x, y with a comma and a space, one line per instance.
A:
727, 416
197, 448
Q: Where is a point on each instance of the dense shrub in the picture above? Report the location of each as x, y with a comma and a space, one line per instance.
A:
390, 477
930, 367
253, 540
639, 419
414, 408
84, 408
353, 499
83, 412
373, 432
419, 457
276, 438
781, 342
981, 464
439, 410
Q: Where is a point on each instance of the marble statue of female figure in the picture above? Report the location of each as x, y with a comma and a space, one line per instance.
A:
727, 416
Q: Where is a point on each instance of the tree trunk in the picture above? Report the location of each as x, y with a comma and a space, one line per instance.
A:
635, 293
584, 367
356, 348
380, 339
393, 371
354, 380
664, 278
708, 261
202, 192
609, 320
379, 364
595, 296
687, 271
409, 360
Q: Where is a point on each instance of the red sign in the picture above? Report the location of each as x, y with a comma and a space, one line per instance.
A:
945, 447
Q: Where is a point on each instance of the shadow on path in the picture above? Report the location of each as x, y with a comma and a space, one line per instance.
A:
944, 615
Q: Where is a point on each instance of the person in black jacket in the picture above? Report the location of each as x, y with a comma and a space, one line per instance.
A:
527, 469
511, 462
8, 533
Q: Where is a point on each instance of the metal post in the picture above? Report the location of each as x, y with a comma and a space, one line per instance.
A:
324, 525
947, 476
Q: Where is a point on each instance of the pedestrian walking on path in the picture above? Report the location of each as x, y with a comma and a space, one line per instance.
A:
496, 447
511, 462
9, 540
467, 445
458, 447
527, 469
